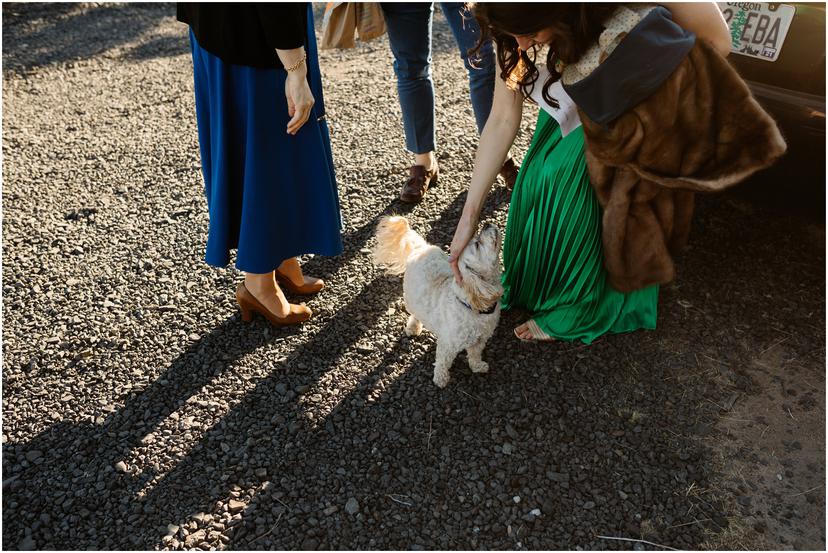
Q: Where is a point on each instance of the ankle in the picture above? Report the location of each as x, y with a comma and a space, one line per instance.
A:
258, 284
427, 160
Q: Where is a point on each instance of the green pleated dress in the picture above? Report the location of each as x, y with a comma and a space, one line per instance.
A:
552, 251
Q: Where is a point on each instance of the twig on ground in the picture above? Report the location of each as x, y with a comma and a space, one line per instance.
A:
689, 523
272, 528
772, 346
721, 407
719, 361
575, 364
637, 541
394, 499
806, 491
791, 414
471, 396
428, 441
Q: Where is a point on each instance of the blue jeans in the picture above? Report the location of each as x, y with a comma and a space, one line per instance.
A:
409, 33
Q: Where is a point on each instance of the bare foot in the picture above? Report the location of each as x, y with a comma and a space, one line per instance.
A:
531, 332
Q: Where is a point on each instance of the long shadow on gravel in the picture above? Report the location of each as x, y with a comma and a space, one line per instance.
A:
465, 467
39, 34
77, 460
271, 429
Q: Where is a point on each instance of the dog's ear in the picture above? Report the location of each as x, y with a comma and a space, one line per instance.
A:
480, 293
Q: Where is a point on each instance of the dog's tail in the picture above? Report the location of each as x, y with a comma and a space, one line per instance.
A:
395, 242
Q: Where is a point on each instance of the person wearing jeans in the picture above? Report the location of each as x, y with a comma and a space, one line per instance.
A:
409, 34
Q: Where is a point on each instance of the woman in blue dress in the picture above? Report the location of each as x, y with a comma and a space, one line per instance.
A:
266, 158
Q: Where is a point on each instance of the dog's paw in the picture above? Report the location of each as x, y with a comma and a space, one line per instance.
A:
481, 367
413, 327
441, 379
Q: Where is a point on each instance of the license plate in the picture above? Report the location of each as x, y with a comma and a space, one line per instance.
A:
757, 29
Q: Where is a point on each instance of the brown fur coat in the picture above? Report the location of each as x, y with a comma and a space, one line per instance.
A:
701, 131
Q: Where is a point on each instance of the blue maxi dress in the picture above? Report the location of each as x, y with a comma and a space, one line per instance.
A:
271, 196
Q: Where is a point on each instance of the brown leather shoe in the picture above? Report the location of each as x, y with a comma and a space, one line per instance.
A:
248, 304
509, 172
303, 289
417, 184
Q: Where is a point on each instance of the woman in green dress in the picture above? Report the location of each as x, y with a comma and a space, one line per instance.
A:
552, 251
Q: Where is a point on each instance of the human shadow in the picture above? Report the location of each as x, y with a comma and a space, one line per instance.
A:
83, 459
441, 468
267, 426
78, 459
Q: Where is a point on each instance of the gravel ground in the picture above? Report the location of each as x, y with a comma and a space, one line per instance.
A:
140, 412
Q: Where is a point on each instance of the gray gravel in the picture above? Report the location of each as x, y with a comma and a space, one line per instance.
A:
140, 412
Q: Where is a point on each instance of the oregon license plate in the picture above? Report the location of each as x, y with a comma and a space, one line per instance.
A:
757, 29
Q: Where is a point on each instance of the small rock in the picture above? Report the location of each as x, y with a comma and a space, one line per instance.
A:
330, 510
194, 539
27, 544
172, 529
31, 456
235, 506
352, 506
120, 466
508, 449
260, 473
589, 505
516, 499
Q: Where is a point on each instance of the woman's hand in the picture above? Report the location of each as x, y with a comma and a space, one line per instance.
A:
299, 99
297, 91
466, 228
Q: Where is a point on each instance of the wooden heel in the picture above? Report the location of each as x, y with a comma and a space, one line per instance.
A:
246, 314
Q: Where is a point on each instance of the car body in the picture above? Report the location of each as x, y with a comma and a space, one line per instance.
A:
785, 69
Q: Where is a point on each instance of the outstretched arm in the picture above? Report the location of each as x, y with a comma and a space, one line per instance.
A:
705, 19
495, 140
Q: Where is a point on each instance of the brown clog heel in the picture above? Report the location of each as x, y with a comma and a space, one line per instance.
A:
248, 304
302, 290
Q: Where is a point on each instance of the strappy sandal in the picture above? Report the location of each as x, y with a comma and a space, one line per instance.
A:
538, 335
300, 290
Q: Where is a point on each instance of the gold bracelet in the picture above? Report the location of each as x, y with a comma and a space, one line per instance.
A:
296, 65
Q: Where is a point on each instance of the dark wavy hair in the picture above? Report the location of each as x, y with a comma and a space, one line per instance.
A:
575, 26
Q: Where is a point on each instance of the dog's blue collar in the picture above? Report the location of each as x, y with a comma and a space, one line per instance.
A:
489, 311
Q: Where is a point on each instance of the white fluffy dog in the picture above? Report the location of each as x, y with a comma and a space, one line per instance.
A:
461, 316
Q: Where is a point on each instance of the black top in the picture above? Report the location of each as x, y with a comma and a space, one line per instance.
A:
246, 33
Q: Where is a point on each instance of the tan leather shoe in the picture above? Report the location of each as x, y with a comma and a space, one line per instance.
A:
418, 183
298, 289
248, 304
